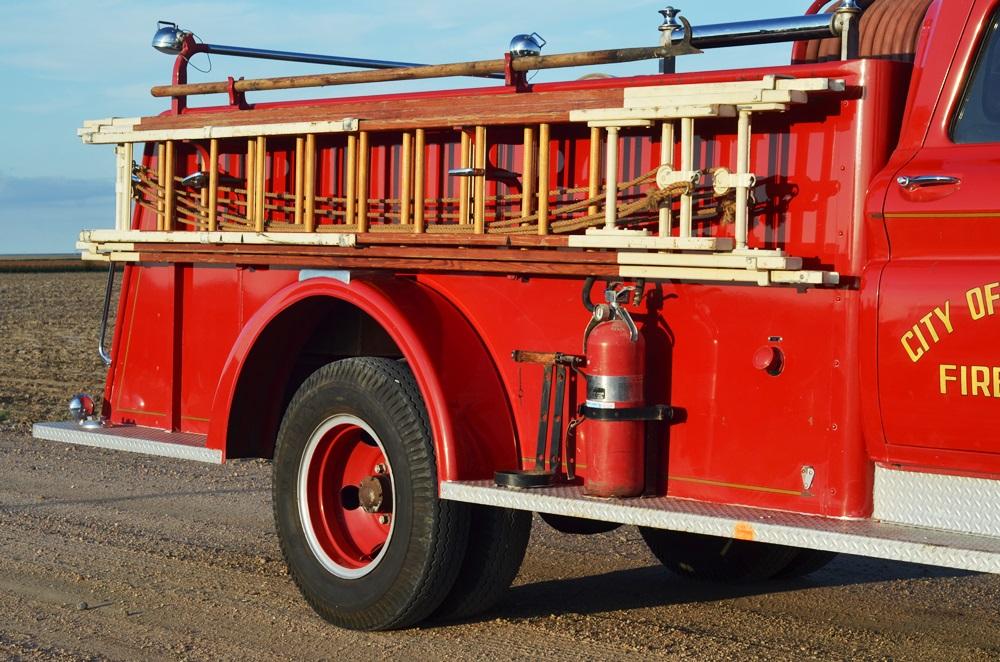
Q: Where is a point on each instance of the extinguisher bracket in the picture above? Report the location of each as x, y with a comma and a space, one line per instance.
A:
556, 367
652, 413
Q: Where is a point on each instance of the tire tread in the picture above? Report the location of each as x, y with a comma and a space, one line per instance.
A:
498, 539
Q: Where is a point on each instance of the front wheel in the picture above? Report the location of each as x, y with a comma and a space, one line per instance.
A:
365, 537
711, 558
806, 562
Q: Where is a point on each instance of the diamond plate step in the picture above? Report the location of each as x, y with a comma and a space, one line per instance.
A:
863, 537
133, 438
938, 501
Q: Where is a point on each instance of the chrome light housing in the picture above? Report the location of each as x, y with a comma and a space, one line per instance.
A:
526, 44
169, 38
81, 407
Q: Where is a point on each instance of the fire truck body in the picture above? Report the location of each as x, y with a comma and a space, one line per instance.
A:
718, 329
826, 354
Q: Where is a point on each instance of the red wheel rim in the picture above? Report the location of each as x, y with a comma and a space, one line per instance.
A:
346, 527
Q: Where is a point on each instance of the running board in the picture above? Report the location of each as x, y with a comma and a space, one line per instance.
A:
862, 537
132, 438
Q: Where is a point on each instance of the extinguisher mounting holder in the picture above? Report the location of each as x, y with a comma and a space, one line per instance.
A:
524, 479
547, 358
652, 413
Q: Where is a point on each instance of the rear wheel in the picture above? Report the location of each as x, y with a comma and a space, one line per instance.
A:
364, 535
712, 558
498, 538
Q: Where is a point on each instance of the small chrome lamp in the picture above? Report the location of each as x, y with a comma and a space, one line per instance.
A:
169, 38
526, 44
81, 408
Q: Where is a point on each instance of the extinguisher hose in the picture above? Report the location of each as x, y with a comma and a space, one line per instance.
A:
587, 286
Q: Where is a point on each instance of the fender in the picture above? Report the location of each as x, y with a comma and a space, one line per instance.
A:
468, 408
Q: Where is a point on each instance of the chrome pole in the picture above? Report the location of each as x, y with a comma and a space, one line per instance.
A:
310, 58
763, 31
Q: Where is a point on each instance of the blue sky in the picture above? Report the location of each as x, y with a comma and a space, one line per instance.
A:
64, 62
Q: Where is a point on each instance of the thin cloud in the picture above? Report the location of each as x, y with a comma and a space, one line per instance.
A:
58, 191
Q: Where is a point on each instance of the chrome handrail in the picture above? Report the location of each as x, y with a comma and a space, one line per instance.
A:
105, 354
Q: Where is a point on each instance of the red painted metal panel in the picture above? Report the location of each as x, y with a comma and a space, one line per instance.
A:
210, 321
746, 435
258, 286
938, 365
143, 385
129, 274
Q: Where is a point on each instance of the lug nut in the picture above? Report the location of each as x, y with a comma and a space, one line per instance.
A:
383, 519
381, 468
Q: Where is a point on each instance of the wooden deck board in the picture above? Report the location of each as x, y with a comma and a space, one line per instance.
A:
405, 113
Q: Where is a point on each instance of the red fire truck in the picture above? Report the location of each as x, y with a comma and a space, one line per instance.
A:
752, 312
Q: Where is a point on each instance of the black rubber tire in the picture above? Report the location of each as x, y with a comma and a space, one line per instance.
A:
715, 559
498, 538
805, 562
577, 525
423, 555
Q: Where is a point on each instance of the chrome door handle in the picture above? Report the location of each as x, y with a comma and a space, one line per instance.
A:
920, 181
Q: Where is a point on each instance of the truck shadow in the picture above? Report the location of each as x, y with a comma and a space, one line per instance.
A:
55, 502
654, 586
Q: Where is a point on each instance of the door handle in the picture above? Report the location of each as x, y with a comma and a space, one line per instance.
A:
921, 181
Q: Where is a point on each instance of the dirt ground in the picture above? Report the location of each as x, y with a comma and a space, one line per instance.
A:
108, 555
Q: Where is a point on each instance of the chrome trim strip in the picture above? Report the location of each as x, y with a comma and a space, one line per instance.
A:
342, 275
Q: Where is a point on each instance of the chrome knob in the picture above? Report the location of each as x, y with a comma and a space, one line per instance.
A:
670, 22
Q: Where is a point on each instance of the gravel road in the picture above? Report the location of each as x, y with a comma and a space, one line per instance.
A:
108, 555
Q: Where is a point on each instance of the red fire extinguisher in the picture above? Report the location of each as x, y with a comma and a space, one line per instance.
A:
614, 432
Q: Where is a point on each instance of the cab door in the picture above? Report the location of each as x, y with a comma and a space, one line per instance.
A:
939, 296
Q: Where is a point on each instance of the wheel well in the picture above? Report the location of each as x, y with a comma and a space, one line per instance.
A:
298, 341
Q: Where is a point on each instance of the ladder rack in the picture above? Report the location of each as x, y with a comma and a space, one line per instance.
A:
211, 176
